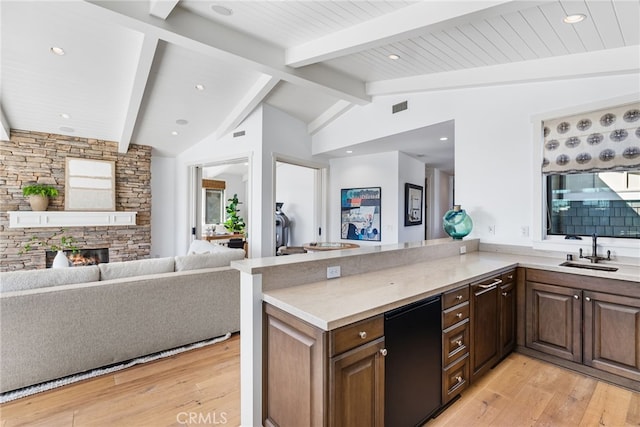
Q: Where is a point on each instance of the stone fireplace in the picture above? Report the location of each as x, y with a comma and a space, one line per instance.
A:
81, 257
40, 157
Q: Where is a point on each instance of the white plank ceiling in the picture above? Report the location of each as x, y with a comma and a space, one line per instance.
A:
130, 68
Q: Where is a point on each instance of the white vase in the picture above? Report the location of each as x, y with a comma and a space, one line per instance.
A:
60, 260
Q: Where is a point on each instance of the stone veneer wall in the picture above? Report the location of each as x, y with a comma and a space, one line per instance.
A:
40, 157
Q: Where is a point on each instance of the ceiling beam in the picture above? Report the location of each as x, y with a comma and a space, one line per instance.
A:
162, 8
402, 24
5, 128
332, 113
145, 61
254, 96
623, 60
194, 32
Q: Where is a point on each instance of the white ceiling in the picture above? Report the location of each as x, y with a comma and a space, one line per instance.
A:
130, 67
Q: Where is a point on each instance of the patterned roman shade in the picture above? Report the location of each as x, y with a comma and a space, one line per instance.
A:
603, 140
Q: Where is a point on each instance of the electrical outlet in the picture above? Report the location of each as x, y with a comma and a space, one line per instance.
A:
463, 250
333, 272
524, 231
492, 229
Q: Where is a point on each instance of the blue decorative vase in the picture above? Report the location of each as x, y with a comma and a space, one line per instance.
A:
456, 223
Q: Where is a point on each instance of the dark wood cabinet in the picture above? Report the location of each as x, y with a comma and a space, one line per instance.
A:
554, 320
569, 318
507, 306
612, 334
485, 316
318, 378
357, 386
456, 342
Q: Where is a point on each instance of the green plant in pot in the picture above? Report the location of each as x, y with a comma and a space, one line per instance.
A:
58, 242
39, 195
234, 222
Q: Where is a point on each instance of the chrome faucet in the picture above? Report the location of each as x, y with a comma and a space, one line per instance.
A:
594, 258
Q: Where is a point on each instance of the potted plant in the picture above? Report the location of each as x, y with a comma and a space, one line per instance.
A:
39, 195
58, 242
234, 223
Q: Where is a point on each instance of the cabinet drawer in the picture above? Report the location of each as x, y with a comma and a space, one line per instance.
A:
455, 343
455, 297
508, 276
351, 336
455, 379
455, 314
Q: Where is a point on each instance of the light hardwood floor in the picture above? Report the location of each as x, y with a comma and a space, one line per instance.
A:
203, 386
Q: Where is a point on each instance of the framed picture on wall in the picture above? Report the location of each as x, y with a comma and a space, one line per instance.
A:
89, 185
360, 213
412, 204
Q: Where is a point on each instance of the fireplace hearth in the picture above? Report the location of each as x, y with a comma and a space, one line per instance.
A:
81, 257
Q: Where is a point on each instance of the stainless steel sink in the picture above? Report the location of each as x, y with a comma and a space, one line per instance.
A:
588, 266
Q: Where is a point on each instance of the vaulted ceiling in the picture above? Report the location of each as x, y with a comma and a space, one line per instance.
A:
167, 73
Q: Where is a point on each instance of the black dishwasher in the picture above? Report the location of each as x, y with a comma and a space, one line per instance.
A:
413, 365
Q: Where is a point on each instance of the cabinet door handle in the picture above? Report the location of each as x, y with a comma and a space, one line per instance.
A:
587, 299
459, 379
496, 282
576, 296
383, 351
362, 334
504, 294
459, 342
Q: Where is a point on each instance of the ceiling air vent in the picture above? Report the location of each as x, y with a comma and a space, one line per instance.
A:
237, 134
399, 107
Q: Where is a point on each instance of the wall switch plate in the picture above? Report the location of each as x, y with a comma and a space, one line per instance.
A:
492, 229
333, 272
463, 250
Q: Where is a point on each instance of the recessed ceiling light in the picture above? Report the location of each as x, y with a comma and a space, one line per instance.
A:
574, 19
57, 50
200, 87
394, 57
444, 138
221, 10
349, 151
66, 129
65, 115
174, 133
182, 122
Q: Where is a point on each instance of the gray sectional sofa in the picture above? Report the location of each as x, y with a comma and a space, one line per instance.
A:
58, 322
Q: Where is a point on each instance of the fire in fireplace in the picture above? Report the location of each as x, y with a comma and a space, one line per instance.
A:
81, 257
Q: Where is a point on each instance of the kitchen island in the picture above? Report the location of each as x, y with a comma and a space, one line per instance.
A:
374, 280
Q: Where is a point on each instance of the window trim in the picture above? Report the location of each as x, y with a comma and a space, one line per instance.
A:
540, 240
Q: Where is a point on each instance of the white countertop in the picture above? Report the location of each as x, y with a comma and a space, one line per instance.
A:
333, 303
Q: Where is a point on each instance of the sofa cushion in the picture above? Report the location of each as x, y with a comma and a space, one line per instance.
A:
32, 279
221, 258
141, 267
204, 247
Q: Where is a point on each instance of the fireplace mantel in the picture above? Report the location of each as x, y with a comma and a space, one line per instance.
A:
31, 219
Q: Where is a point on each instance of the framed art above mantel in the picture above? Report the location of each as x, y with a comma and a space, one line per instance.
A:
90, 185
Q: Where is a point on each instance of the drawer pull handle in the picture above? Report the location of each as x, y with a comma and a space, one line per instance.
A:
383, 351
576, 297
587, 299
459, 315
458, 297
504, 294
510, 276
459, 379
459, 342
362, 334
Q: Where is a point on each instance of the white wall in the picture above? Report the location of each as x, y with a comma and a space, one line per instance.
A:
163, 176
372, 170
494, 141
440, 192
410, 171
295, 188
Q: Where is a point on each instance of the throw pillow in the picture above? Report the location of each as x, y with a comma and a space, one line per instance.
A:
219, 259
